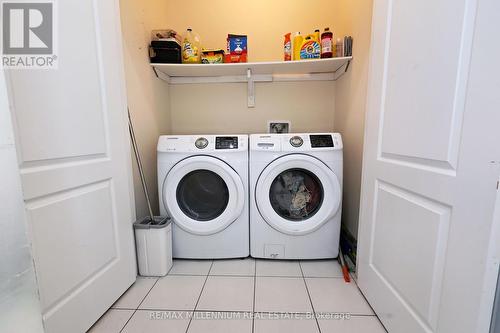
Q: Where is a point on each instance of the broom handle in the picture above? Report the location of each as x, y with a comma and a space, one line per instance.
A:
139, 164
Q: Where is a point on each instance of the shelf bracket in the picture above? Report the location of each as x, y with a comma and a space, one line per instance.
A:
341, 71
161, 75
250, 89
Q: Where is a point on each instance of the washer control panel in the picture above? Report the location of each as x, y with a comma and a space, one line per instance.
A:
226, 142
203, 144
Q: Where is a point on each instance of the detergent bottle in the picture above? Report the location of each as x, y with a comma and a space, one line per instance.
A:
310, 47
296, 44
317, 35
191, 47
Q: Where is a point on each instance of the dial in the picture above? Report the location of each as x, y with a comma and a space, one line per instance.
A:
296, 141
201, 143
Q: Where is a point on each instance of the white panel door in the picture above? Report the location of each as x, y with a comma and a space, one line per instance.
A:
74, 158
431, 163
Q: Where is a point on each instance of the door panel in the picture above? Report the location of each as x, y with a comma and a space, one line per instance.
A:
418, 228
78, 111
425, 39
71, 248
431, 163
74, 157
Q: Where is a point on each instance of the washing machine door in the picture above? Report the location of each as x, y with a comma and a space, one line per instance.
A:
203, 195
296, 194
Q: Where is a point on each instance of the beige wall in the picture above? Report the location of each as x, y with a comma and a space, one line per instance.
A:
219, 108
147, 96
222, 108
350, 104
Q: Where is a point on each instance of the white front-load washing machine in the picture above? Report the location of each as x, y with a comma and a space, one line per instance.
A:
203, 187
295, 195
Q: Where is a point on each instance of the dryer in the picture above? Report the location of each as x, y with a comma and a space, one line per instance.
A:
203, 187
295, 195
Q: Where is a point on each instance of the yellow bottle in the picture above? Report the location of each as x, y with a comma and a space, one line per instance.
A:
191, 48
317, 35
297, 43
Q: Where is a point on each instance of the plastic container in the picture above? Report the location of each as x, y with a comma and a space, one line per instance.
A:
327, 44
191, 48
317, 35
154, 246
310, 48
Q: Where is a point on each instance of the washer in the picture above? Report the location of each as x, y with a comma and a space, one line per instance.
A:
295, 195
203, 187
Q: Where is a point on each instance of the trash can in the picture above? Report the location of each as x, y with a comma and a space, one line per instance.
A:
153, 240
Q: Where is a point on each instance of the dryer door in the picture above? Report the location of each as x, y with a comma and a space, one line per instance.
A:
296, 194
203, 195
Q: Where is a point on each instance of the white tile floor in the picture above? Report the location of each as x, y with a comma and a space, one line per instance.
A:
242, 295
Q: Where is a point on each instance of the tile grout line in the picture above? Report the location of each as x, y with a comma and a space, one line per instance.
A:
364, 297
310, 299
199, 296
254, 292
268, 276
138, 306
235, 311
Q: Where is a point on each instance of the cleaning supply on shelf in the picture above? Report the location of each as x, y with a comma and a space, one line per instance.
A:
347, 46
317, 35
191, 48
237, 48
287, 48
339, 48
327, 44
212, 56
296, 44
310, 48
165, 47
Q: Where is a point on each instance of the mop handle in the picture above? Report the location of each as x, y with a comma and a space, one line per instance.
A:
139, 164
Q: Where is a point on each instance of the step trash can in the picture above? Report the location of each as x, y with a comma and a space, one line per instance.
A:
153, 240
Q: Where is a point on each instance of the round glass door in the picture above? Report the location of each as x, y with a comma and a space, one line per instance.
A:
202, 195
297, 193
